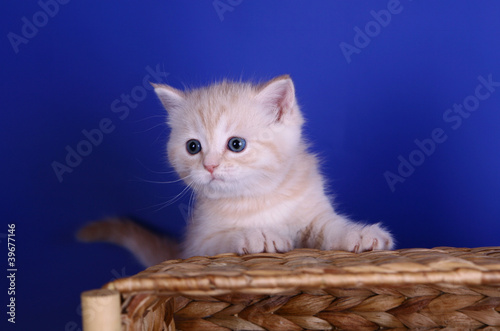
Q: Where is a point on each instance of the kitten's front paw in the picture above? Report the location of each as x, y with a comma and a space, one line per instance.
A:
257, 241
368, 238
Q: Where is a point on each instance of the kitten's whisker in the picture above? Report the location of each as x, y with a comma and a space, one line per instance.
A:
161, 182
165, 204
190, 206
154, 141
151, 128
156, 172
169, 202
178, 196
192, 197
150, 117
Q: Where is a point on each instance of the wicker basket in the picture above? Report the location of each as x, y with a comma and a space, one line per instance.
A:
307, 290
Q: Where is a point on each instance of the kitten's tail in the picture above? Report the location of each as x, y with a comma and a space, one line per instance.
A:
148, 247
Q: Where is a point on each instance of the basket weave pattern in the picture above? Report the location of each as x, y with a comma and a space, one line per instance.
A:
318, 290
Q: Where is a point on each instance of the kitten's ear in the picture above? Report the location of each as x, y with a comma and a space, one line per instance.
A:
170, 97
278, 95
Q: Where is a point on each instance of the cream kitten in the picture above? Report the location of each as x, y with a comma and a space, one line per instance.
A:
240, 147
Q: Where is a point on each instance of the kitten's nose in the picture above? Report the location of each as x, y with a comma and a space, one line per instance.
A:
210, 167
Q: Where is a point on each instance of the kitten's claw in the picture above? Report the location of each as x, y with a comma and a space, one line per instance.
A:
359, 239
256, 241
373, 237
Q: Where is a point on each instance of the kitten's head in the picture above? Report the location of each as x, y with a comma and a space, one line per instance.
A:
233, 139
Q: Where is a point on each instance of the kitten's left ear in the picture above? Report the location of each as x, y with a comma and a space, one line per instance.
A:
278, 95
170, 97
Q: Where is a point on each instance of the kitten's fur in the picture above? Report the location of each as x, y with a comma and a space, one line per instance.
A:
269, 197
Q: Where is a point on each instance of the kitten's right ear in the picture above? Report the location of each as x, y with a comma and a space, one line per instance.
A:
170, 97
278, 96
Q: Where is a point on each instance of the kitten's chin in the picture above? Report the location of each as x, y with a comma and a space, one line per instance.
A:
219, 186
216, 189
220, 189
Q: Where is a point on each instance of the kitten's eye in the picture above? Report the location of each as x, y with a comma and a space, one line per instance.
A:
236, 144
193, 146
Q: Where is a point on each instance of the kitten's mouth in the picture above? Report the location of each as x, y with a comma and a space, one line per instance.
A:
215, 179
212, 178
214, 187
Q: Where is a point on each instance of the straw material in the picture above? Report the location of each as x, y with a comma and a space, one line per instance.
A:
318, 290
101, 307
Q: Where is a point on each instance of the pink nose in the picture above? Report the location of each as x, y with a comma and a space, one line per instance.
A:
210, 167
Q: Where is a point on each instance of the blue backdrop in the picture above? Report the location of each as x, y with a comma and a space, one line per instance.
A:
402, 100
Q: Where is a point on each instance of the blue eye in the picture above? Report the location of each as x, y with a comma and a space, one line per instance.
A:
236, 144
193, 146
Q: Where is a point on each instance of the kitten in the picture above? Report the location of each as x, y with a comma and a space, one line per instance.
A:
240, 147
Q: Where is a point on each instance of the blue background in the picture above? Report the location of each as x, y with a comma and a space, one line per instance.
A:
364, 111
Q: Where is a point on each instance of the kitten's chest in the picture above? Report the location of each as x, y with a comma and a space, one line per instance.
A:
250, 212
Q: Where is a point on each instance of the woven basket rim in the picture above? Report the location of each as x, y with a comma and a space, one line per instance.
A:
267, 273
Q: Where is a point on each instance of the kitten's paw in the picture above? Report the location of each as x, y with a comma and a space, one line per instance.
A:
368, 238
275, 243
257, 241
